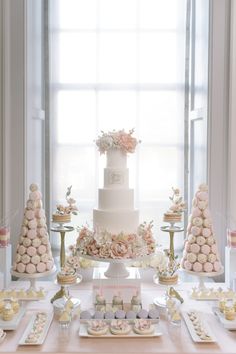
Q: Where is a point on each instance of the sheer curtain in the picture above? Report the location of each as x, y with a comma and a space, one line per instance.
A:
117, 64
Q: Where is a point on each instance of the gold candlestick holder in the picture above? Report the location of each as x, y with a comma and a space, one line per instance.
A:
62, 229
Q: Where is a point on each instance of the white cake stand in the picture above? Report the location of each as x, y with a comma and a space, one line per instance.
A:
202, 276
117, 267
33, 277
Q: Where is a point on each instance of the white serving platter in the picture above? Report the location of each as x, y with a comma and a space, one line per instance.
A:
83, 333
13, 324
42, 338
192, 331
230, 325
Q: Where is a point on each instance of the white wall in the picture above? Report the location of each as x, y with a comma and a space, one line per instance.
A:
232, 123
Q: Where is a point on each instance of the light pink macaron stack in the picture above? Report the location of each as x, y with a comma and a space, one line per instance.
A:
200, 251
33, 253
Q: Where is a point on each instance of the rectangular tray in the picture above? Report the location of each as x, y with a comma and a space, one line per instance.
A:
230, 325
13, 324
44, 333
83, 333
191, 329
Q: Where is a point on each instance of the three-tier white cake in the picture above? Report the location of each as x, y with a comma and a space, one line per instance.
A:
116, 211
116, 230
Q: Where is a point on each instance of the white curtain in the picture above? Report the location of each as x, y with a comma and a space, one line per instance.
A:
117, 64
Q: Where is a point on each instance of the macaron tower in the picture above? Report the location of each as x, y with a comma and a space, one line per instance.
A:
33, 254
200, 250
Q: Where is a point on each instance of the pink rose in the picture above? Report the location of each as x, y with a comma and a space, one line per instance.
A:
104, 251
127, 142
120, 249
92, 248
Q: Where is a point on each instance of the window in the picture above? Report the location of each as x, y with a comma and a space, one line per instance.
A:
118, 64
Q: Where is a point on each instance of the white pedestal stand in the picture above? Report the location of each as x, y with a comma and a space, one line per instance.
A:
202, 276
33, 277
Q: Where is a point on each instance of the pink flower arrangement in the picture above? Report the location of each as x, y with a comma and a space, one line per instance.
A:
106, 245
71, 208
117, 140
178, 205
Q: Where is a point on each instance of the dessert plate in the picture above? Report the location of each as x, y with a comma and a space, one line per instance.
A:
83, 333
193, 332
13, 324
44, 333
230, 325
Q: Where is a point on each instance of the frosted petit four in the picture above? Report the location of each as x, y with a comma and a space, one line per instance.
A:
143, 327
130, 315
98, 315
120, 327
97, 328
120, 314
85, 315
153, 314
142, 314
229, 313
7, 312
63, 213
109, 315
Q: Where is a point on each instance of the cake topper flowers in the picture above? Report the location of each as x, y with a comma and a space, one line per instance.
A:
117, 140
71, 208
178, 205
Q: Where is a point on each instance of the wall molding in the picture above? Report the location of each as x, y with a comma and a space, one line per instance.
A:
218, 117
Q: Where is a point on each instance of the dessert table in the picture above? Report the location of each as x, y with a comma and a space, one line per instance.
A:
174, 339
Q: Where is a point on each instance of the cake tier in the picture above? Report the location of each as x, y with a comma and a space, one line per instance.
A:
116, 221
113, 199
116, 158
116, 178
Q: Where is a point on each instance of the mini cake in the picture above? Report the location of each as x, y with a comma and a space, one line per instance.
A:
4, 236
67, 275
7, 313
174, 214
153, 314
117, 301
98, 315
85, 315
63, 213
143, 327
142, 314
120, 327
97, 328
201, 255
109, 315
130, 315
229, 313
32, 255
120, 314
169, 280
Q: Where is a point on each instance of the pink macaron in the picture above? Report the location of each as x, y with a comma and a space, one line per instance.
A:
206, 213
191, 238
24, 230
42, 249
205, 249
187, 246
194, 248
30, 268
200, 240
197, 267
31, 251
202, 204
35, 195
35, 259
196, 212
195, 202
208, 267
207, 223
214, 249
210, 240
206, 232
217, 266
29, 214
195, 230
32, 224
42, 232
188, 265
21, 250
31, 234
41, 267
49, 265
40, 213
25, 258
20, 267
203, 187
27, 242
33, 187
